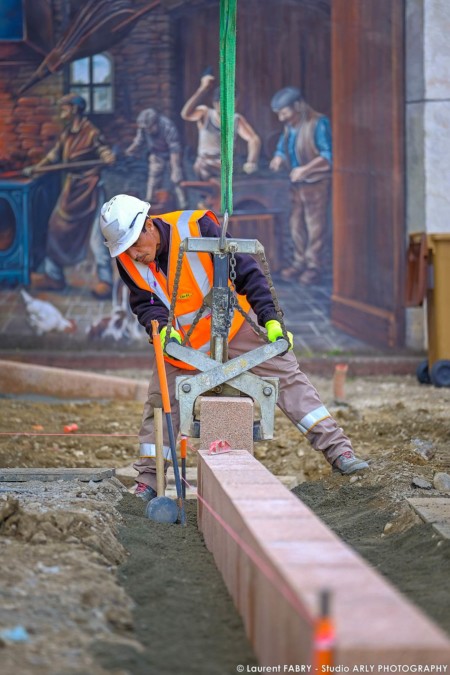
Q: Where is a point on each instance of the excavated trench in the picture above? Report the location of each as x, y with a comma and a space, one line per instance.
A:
183, 616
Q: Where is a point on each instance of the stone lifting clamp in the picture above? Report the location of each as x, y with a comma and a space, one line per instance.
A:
218, 376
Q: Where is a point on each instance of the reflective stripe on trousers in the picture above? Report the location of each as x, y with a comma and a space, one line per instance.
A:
149, 450
311, 419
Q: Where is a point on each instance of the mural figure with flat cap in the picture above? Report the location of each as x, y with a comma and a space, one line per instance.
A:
304, 148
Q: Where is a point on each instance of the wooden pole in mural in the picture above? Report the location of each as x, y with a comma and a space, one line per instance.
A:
48, 168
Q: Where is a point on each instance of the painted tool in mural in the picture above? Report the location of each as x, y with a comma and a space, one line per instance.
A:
305, 148
99, 25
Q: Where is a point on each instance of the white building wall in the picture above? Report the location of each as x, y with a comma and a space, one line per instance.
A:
427, 131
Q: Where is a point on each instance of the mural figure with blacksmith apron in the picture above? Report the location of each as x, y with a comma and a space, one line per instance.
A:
73, 224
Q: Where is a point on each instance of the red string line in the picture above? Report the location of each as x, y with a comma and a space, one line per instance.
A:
263, 567
258, 561
67, 435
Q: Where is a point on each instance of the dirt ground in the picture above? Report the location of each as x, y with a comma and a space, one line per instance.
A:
76, 537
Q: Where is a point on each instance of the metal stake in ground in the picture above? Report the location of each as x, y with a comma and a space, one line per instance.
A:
168, 413
162, 509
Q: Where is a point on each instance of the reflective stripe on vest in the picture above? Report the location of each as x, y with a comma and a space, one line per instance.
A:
198, 270
311, 419
195, 281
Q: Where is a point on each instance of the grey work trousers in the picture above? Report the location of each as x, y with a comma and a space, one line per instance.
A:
298, 399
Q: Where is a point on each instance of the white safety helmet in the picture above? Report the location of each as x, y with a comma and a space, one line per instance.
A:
121, 222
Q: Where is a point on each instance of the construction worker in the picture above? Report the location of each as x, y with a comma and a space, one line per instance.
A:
207, 164
305, 149
146, 249
73, 224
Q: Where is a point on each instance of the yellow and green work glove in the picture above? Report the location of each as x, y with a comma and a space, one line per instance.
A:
274, 331
174, 336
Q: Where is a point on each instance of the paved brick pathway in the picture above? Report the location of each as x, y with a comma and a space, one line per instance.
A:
306, 309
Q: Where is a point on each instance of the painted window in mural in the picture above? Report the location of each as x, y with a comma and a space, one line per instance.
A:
11, 20
92, 78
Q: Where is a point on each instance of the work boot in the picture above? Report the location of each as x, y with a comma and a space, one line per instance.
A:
102, 291
42, 282
348, 463
145, 492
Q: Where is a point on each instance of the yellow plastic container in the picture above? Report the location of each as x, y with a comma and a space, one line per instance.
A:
438, 309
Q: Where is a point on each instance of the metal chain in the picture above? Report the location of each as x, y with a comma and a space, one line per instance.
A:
234, 304
197, 318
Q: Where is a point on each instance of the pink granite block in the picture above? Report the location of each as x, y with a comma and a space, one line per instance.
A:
281, 627
320, 552
350, 578
243, 476
231, 458
274, 530
228, 418
199, 492
387, 630
258, 491
286, 557
361, 598
270, 508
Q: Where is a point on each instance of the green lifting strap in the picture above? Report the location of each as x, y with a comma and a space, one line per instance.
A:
227, 68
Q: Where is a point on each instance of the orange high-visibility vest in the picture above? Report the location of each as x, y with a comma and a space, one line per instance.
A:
195, 282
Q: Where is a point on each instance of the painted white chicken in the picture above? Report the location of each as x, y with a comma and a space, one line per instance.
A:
43, 317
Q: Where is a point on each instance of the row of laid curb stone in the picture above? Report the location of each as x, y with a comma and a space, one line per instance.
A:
283, 557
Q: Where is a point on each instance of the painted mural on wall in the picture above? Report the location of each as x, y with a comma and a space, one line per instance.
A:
106, 97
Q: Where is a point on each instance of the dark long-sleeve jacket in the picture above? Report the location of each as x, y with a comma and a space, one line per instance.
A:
250, 281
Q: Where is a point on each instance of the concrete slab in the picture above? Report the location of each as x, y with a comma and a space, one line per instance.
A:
24, 475
434, 510
21, 378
